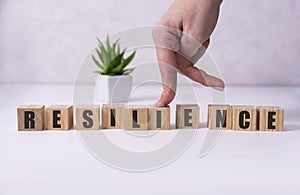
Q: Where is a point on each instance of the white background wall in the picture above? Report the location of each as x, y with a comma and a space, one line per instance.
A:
257, 42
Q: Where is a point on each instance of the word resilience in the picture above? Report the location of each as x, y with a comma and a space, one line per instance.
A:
130, 117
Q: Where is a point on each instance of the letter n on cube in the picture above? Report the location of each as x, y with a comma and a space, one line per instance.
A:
219, 117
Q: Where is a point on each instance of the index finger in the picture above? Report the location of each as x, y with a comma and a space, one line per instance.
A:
167, 44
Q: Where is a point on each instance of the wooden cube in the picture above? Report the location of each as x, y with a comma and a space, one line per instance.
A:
219, 117
135, 118
112, 116
187, 116
87, 117
244, 118
59, 117
31, 117
270, 118
159, 118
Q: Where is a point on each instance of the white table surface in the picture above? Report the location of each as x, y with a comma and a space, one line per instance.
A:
57, 162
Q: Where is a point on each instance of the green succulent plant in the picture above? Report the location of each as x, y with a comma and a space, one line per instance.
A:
111, 60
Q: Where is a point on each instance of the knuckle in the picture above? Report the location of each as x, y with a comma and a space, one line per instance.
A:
198, 35
169, 93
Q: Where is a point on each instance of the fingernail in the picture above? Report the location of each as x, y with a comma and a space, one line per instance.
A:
158, 104
219, 88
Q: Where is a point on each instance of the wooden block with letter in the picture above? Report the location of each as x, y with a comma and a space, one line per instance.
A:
59, 117
135, 118
270, 118
244, 118
219, 117
159, 118
111, 115
87, 117
187, 116
31, 117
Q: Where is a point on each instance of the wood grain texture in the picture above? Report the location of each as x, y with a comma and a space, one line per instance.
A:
159, 118
112, 115
59, 117
219, 117
244, 118
187, 116
270, 118
87, 117
135, 118
31, 117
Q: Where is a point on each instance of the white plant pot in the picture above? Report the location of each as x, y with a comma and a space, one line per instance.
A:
113, 89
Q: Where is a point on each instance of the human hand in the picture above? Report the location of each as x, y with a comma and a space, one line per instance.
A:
181, 37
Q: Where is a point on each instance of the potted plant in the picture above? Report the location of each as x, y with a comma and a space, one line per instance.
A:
114, 82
